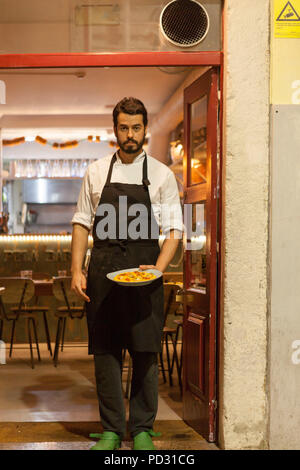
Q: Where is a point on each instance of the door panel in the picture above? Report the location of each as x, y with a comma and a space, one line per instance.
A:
195, 370
200, 258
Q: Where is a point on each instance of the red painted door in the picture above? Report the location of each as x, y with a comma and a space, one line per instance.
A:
200, 260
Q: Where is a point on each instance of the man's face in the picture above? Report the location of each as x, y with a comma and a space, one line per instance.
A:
130, 132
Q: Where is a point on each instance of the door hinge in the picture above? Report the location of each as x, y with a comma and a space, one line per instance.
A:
218, 247
215, 404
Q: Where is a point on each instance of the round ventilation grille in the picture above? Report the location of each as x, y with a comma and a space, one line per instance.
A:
184, 23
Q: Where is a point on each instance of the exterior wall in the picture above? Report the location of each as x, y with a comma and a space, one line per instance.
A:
285, 225
69, 26
285, 268
243, 410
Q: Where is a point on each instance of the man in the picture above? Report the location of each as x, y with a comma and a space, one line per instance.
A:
114, 189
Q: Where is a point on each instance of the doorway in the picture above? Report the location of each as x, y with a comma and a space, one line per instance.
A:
187, 193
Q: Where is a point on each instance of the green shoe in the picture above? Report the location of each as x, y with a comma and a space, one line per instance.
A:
143, 441
108, 441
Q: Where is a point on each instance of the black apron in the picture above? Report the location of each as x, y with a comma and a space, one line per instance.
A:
118, 316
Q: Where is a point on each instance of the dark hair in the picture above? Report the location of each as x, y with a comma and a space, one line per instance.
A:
130, 106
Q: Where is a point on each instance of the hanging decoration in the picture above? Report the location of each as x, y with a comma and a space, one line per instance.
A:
56, 145
11, 142
66, 145
40, 140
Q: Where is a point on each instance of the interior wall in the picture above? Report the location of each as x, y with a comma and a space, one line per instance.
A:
243, 379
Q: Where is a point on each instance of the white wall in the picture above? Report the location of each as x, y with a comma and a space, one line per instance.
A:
285, 269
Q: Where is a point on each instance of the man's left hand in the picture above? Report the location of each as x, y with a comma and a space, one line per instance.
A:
148, 266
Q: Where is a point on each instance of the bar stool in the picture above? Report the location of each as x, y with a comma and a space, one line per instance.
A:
19, 292
29, 274
63, 293
169, 333
179, 327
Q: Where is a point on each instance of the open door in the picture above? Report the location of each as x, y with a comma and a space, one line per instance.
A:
200, 260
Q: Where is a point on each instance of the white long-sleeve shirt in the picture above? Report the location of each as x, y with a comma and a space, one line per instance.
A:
163, 190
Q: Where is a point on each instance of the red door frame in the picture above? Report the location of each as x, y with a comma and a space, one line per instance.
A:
135, 59
122, 59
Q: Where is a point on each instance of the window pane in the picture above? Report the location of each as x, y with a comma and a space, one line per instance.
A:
198, 141
196, 248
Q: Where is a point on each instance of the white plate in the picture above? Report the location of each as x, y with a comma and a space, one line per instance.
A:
111, 276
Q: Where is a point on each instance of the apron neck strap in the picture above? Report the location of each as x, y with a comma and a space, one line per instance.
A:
114, 158
146, 182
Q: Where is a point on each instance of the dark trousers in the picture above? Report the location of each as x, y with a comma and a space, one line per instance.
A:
143, 396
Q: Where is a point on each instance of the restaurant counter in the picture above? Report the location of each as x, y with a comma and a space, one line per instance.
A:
38, 253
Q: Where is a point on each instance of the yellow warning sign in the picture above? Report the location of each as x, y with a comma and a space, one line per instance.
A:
287, 18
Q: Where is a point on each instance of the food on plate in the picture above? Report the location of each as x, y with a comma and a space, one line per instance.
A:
134, 276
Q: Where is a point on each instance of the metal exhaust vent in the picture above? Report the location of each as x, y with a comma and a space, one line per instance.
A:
184, 23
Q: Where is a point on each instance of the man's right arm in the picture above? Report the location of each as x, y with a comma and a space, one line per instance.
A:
78, 247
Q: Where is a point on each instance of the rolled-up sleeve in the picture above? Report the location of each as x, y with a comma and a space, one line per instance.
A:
171, 211
84, 210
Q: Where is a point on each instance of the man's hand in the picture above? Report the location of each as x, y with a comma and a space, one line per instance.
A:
148, 266
78, 285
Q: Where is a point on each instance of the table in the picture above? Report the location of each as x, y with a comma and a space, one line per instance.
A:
43, 287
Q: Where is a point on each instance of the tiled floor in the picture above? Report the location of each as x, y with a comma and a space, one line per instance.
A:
49, 408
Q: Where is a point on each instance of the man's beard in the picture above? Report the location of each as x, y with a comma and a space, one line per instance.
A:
134, 148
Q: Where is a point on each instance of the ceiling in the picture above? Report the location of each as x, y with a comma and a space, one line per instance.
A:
59, 101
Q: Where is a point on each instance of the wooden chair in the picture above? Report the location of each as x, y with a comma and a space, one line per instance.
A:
179, 326
170, 306
71, 309
169, 333
15, 304
39, 308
